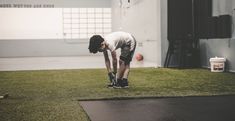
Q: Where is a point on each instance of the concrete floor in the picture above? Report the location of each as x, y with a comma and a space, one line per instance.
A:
215, 108
51, 63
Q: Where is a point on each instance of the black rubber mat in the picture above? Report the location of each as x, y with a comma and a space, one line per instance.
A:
216, 108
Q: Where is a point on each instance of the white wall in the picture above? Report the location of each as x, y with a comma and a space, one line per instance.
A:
164, 39
62, 3
31, 23
142, 19
38, 44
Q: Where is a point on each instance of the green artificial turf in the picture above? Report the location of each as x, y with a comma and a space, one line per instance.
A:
53, 95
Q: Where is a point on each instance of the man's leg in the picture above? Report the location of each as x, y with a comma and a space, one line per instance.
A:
121, 70
126, 72
125, 76
124, 66
120, 73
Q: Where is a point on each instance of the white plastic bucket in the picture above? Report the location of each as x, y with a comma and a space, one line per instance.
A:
217, 64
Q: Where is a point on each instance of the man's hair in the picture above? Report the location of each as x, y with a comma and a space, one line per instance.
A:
95, 43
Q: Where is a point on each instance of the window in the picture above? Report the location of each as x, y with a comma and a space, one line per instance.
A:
82, 23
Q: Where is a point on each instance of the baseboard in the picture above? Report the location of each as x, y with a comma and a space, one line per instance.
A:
233, 71
207, 67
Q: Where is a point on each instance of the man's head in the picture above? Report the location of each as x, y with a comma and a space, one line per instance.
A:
96, 43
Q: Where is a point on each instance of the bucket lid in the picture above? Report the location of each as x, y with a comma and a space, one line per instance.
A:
220, 59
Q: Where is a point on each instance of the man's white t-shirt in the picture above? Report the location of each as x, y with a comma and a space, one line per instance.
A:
119, 39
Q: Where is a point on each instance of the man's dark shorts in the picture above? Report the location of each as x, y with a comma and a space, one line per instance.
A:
127, 54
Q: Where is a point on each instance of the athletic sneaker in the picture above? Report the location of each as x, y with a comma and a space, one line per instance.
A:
118, 85
110, 85
125, 83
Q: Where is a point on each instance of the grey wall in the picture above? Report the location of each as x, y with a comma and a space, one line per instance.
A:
49, 47
208, 47
220, 47
37, 48
142, 19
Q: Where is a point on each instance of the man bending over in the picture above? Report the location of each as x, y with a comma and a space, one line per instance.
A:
127, 43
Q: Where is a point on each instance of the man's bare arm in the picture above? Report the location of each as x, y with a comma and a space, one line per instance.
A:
114, 58
107, 61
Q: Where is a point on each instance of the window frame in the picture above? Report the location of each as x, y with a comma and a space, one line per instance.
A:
82, 23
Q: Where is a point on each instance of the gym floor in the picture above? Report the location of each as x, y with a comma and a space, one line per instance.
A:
60, 91
55, 95
215, 108
52, 63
